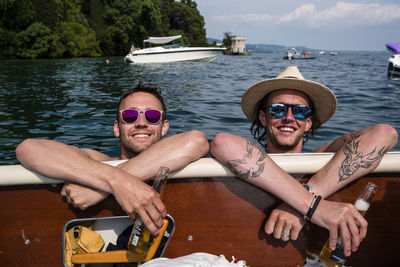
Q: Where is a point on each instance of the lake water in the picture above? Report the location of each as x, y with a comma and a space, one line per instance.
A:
74, 100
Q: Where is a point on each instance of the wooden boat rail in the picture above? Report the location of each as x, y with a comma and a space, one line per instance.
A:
215, 215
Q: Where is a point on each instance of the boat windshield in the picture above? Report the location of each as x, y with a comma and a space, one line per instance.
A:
174, 46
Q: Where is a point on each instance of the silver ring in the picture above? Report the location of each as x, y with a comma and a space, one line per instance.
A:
284, 235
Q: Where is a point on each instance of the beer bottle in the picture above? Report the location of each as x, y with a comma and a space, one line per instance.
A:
141, 238
337, 258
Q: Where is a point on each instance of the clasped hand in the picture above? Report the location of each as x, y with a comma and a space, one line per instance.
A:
81, 196
331, 215
133, 195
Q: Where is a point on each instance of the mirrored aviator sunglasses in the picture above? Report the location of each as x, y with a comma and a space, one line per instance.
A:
300, 112
152, 116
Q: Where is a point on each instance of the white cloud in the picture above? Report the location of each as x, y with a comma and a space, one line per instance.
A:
351, 14
303, 12
250, 17
343, 14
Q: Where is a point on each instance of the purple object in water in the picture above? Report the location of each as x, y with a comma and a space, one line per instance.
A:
394, 47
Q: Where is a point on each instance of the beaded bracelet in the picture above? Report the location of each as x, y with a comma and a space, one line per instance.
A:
313, 207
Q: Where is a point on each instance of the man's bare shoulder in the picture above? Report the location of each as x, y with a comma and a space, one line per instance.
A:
96, 155
323, 148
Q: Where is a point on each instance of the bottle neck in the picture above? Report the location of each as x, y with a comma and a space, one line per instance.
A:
160, 179
364, 200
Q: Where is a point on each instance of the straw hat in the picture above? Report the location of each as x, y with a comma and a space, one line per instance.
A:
322, 97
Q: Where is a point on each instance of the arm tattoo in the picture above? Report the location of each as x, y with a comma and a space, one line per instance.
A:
355, 159
251, 165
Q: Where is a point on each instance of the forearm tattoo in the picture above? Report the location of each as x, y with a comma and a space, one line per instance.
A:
355, 159
251, 165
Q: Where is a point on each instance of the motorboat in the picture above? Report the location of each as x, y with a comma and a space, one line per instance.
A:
394, 66
394, 61
292, 53
214, 212
170, 53
334, 53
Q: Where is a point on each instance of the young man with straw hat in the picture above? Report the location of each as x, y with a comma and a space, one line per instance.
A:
285, 112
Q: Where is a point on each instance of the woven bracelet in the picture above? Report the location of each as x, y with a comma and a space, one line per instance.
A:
313, 207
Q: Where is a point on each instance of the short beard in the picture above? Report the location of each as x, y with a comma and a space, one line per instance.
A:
272, 142
130, 152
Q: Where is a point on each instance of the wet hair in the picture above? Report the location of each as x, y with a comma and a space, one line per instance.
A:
260, 133
152, 89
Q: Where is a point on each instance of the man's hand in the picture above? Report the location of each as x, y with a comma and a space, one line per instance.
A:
284, 219
81, 196
136, 197
345, 217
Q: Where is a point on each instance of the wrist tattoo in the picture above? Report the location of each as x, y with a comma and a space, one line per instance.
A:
356, 159
251, 165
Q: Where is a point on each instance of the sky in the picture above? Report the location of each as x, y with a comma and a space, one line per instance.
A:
355, 25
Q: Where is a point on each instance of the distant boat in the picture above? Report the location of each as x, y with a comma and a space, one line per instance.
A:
334, 53
171, 53
322, 52
394, 61
292, 53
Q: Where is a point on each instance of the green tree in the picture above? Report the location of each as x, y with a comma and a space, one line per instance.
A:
71, 12
75, 40
7, 43
93, 27
50, 12
94, 10
16, 16
150, 18
34, 42
184, 16
189, 3
120, 21
227, 41
129, 22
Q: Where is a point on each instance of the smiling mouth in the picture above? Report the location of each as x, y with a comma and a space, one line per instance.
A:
141, 135
286, 129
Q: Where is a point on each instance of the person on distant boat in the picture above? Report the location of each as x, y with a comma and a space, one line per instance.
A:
285, 112
141, 122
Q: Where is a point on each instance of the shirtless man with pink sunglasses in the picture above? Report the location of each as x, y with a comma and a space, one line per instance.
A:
140, 124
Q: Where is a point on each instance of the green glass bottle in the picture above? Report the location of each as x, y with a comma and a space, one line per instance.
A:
141, 238
337, 258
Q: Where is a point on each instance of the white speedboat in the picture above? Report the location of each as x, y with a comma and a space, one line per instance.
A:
171, 53
394, 61
292, 53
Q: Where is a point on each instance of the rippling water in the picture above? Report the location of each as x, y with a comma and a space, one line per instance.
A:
74, 100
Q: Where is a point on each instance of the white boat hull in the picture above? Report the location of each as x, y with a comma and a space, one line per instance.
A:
165, 55
298, 57
292, 53
394, 66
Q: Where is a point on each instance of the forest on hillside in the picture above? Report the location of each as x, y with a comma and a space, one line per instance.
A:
90, 28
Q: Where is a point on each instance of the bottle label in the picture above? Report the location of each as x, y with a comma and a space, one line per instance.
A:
338, 254
138, 227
